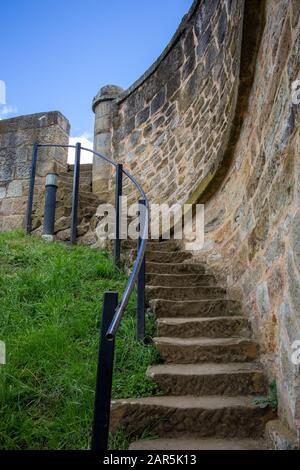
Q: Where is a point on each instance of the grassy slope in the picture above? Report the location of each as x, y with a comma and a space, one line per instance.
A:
50, 309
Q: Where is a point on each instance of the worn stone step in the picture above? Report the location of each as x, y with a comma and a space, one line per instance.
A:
182, 416
209, 379
83, 187
179, 280
184, 293
214, 327
67, 184
199, 350
174, 268
167, 256
195, 308
67, 178
198, 444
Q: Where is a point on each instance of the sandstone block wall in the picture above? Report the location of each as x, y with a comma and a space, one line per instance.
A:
170, 128
253, 219
17, 136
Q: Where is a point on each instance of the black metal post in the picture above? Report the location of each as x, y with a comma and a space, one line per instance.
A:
117, 248
50, 203
76, 177
100, 431
140, 323
28, 220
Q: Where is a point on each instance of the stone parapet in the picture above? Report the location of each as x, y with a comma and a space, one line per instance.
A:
17, 136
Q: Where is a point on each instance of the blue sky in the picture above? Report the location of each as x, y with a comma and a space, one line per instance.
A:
56, 54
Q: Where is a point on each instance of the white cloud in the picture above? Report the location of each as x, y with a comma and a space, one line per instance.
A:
86, 141
6, 110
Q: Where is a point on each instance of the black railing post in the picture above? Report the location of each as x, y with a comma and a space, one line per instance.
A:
28, 220
50, 203
117, 247
73, 234
100, 430
140, 324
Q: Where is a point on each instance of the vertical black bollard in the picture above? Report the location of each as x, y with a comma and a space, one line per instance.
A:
73, 234
28, 220
50, 203
140, 314
117, 248
104, 377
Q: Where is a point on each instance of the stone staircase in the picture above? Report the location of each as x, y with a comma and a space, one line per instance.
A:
211, 371
87, 204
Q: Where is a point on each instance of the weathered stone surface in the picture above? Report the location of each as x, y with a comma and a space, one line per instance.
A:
198, 350
190, 416
2, 192
17, 136
15, 189
212, 379
211, 444
262, 298
296, 240
280, 437
142, 116
220, 327
200, 308
158, 101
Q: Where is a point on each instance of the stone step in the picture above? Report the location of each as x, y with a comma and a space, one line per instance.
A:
214, 327
199, 350
209, 379
174, 268
180, 280
70, 175
67, 178
167, 256
198, 444
195, 308
190, 416
83, 187
167, 245
184, 293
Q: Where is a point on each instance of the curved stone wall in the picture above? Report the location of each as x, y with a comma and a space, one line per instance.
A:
253, 220
170, 128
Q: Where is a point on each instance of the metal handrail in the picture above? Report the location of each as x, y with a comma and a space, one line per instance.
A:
113, 328
112, 310
114, 325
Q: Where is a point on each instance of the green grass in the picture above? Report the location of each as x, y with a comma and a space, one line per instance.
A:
50, 311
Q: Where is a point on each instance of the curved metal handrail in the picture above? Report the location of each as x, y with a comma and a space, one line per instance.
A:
113, 328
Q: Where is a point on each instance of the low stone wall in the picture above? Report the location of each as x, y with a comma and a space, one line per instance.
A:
253, 220
17, 136
170, 128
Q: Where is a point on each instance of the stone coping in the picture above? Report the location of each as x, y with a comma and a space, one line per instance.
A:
29, 121
123, 95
